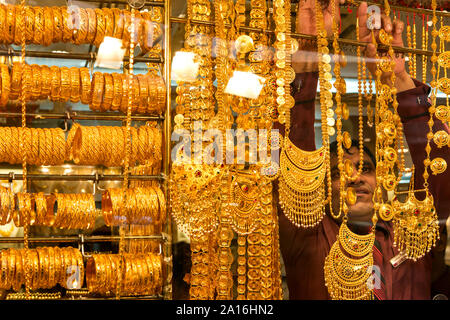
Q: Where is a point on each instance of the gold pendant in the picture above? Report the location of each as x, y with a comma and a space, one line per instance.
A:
416, 226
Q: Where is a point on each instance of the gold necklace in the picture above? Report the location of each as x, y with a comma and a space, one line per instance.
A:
302, 173
416, 225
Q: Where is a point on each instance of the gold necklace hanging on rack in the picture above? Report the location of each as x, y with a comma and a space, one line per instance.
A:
416, 225
245, 205
302, 173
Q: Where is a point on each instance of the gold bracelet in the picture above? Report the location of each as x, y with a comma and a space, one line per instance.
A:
40, 278
65, 84
118, 23
59, 139
41, 208
135, 92
38, 36
109, 22
16, 79
27, 82
100, 30
51, 267
92, 25
6, 85
19, 274
85, 86
152, 93
146, 38
108, 95
48, 26
10, 23
46, 86
126, 28
67, 25
143, 93
37, 82
11, 266
55, 83
5, 282
3, 28
75, 84
19, 26
80, 34
117, 96
98, 83
125, 93
57, 24
59, 265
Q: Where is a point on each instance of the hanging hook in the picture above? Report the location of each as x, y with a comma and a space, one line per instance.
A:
91, 63
66, 127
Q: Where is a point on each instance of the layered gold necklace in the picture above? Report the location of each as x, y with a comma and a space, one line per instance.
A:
302, 173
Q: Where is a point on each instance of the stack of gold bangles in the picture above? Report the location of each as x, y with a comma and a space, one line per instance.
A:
43, 146
47, 25
106, 145
142, 245
142, 274
110, 92
104, 92
140, 206
73, 211
48, 266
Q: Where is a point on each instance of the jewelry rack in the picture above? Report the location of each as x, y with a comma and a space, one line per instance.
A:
165, 237
84, 115
309, 37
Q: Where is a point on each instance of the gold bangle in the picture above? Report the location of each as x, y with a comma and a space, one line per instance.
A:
152, 272
92, 25
161, 96
51, 267
65, 84
67, 25
146, 36
59, 138
38, 36
108, 94
107, 207
75, 84
117, 96
57, 24
11, 266
48, 26
41, 208
34, 155
125, 93
152, 92
10, 23
40, 278
19, 26
80, 34
5, 282
109, 22
16, 155
98, 83
44, 146
143, 93
46, 86
100, 30
126, 28
55, 83
16, 79
6, 85
58, 264
60, 208
118, 23
27, 82
135, 91
37, 82
19, 275
91, 281
85, 86
3, 29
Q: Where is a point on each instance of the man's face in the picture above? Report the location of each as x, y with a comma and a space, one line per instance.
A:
364, 186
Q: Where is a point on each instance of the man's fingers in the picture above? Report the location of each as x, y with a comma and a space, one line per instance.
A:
370, 51
386, 23
361, 14
397, 33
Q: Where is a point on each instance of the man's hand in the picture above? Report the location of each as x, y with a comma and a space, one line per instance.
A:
305, 59
395, 28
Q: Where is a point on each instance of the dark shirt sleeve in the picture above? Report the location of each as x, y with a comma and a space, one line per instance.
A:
304, 89
413, 110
